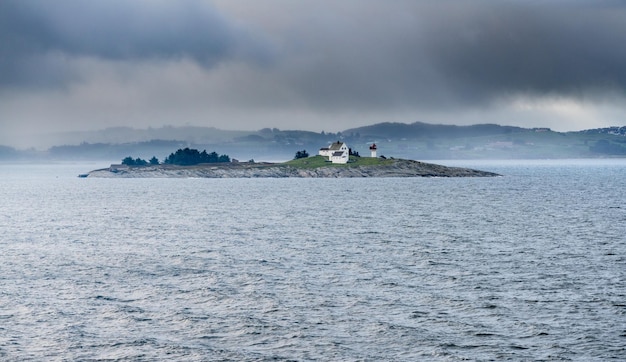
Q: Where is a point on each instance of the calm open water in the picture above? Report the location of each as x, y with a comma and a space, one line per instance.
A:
529, 266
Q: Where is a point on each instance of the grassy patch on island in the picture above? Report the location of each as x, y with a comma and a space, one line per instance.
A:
320, 161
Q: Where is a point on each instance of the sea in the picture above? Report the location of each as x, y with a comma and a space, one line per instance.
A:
529, 266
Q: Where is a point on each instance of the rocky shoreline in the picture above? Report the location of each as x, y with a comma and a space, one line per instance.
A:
397, 168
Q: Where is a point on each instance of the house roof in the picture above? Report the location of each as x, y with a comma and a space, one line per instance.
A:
338, 153
335, 146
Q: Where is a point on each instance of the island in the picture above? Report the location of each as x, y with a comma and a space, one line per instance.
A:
306, 167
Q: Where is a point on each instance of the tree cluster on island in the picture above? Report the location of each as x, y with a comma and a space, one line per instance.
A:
182, 157
129, 161
187, 156
301, 154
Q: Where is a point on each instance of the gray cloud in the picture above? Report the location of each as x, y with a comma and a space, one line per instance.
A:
366, 53
38, 37
537, 47
311, 64
457, 52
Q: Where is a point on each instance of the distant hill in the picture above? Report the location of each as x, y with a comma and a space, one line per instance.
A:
417, 141
617, 131
424, 130
7, 152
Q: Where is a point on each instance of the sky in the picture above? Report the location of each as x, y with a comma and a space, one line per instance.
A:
319, 65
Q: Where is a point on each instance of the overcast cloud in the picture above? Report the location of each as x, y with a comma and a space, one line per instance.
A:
315, 65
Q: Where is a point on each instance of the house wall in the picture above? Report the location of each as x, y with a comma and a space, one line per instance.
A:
325, 153
340, 159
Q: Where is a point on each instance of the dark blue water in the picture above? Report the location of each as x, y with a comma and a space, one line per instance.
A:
529, 266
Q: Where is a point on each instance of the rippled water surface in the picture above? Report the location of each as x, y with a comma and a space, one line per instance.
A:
529, 266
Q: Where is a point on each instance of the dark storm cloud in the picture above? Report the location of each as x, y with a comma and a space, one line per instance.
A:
38, 37
536, 47
397, 54
310, 64
339, 55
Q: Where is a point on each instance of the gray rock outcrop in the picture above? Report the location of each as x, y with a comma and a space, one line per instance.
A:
397, 168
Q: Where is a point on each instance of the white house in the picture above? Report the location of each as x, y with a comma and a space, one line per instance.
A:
337, 152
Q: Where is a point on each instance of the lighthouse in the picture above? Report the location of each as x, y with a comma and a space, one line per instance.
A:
373, 150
